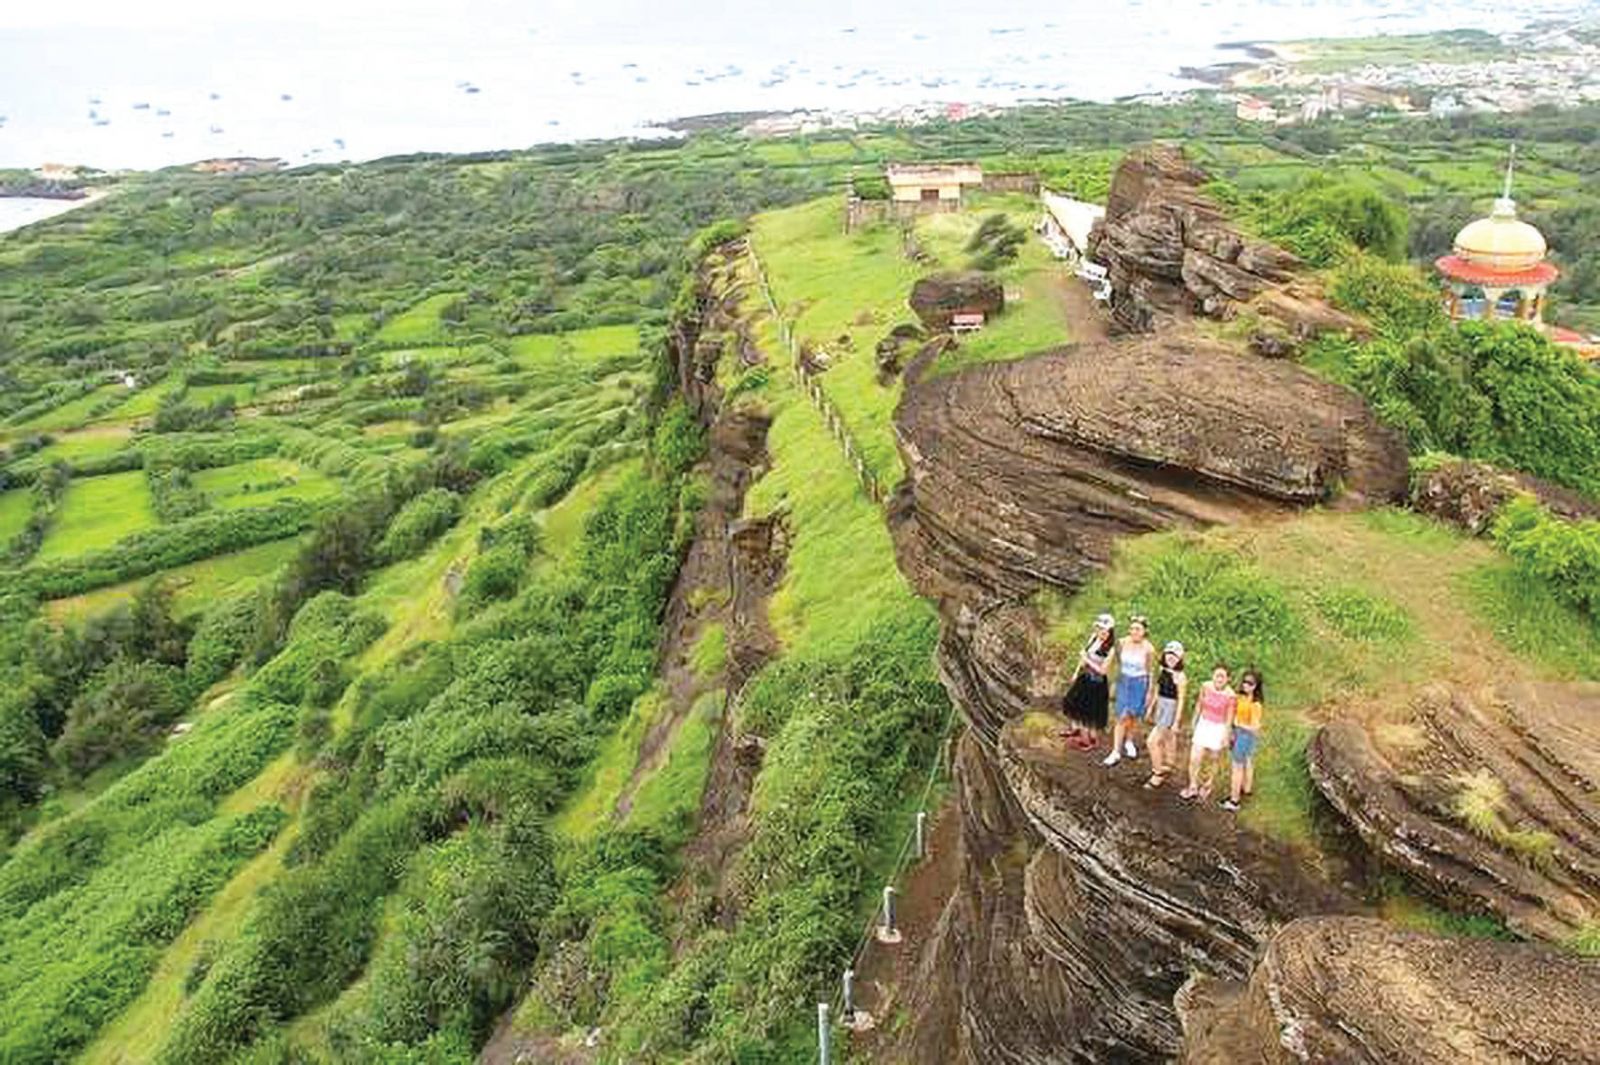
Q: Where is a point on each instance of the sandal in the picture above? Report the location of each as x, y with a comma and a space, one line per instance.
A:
1189, 794
1155, 781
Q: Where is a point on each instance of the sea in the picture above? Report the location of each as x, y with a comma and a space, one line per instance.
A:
116, 85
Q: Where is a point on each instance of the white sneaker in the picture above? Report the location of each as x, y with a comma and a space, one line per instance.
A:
1112, 759
1129, 749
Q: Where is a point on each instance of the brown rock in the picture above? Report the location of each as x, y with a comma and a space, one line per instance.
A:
1468, 494
1171, 252
1525, 758
937, 298
1354, 990
1025, 473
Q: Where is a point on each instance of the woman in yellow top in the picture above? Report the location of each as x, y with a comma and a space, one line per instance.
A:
1246, 734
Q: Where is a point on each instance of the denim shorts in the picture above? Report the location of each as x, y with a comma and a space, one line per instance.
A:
1131, 692
1244, 745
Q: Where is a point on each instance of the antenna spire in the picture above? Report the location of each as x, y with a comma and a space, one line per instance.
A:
1511, 166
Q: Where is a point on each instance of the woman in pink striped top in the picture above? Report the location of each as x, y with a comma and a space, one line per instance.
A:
1213, 721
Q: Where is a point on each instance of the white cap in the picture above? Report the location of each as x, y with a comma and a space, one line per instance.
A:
1173, 648
1105, 621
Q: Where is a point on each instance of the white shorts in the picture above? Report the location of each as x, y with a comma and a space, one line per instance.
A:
1210, 735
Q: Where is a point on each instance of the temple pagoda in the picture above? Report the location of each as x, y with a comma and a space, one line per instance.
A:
1497, 269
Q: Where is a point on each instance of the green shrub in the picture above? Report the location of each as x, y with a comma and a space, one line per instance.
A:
680, 441
167, 546
1565, 555
221, 639
417, 524
122, 712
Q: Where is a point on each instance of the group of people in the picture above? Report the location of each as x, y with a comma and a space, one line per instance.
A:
1154, 688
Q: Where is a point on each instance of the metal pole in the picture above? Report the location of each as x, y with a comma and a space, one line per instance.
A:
849, 995
823, 1035
922, 834
888, 910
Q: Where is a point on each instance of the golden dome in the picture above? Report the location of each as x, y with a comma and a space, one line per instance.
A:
1502, 241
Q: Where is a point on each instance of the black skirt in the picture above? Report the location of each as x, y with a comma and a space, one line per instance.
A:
1088, 700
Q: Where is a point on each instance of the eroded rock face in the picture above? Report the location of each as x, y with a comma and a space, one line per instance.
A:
1024, 474
1356, 990
1171, 252
935, 299
1529, 756
1085, 901
1467, 494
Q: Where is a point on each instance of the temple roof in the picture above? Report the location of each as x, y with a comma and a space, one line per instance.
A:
1474, 272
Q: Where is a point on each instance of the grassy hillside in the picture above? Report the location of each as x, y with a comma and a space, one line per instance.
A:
334, 712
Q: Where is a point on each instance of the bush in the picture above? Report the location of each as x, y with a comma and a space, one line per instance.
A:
167, 546
1565, 555
679, 439
221, 639
123, 712
1322, 219
421, 521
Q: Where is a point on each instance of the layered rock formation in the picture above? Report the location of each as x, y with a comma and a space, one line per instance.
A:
937, 298
1490, 803
1468, 494
1356, 990
1085, 902
1094, 921
1172, 253
1023, 475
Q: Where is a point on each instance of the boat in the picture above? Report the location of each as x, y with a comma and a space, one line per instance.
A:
141, 106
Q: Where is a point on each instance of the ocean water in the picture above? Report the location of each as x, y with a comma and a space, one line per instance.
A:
21, 211
114, 85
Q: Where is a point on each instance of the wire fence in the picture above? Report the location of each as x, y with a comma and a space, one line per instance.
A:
914, 843
812, 387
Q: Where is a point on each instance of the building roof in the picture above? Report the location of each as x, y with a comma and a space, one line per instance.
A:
1458, 268
1075, 217
934, 173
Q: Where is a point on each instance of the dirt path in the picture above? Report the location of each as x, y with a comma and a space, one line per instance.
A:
1086, 320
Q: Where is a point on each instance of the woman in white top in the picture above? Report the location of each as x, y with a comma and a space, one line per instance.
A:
1135, 694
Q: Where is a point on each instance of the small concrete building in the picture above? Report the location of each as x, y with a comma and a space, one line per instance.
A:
1066, 224
941, 184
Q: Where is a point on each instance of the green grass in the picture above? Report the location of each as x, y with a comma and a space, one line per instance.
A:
1338, 610
86, 445
591, 807
668, 798
1330, 54
1480, 803
256, 483
73, 414
1527, 617
419, 323
196, 585
16, 506
205, 395
844, 292
143, 403
580, 345
563, 523
97, 512
709, 655
839, 537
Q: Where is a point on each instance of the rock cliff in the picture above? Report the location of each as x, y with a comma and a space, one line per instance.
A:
1172, 253
1489, 802
1093, 921
1356, 990
1085, 902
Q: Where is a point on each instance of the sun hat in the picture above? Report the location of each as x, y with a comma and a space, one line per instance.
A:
1173, 647
1105, 621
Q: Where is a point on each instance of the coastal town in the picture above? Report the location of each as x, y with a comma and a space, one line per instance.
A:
1301, 82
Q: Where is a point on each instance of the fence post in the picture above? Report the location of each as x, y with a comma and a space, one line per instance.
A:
823, 1035
922, 834
887, 932
849, 995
